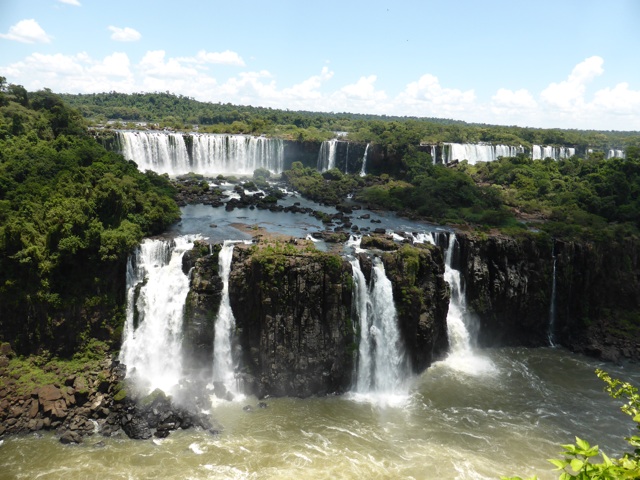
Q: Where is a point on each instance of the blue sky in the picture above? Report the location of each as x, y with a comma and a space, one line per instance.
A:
562, 63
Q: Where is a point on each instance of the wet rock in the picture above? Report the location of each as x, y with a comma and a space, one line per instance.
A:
70, 437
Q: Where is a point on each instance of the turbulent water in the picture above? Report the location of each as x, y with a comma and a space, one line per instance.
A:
453, 424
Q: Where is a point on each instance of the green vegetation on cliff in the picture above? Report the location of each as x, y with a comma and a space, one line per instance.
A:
70, 214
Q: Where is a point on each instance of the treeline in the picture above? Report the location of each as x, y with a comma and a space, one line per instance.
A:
70, 215
180, 112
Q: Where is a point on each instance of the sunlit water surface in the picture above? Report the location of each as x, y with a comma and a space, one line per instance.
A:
504, 418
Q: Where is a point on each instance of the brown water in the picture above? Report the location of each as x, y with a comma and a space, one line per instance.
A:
504, 413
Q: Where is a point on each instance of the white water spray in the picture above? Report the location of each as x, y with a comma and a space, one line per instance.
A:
156, 292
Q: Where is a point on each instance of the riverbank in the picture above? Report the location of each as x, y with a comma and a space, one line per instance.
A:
84, 396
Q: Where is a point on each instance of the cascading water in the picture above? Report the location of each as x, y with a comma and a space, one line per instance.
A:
433, 151
224, 366
156, 292
540, 152
363, 170
552, 305
238, 154
615, 153
473, 152
211, 154
327, 155
381, 366
461, 355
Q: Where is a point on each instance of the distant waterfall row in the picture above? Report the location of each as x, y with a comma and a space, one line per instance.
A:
556, 153
206, 154
473, 152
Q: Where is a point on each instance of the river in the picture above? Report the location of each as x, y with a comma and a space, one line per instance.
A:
503, 420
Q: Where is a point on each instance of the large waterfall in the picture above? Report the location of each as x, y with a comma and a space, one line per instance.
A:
539, 152
156, 293
206, 154
327, 155
474, 152
224, 366
381, 365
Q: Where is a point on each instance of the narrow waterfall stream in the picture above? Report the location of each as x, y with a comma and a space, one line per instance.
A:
156, 291
552, 304
462, 356
224, 366
363, 170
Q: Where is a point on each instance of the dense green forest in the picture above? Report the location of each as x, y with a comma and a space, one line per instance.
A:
180, 112
70, 215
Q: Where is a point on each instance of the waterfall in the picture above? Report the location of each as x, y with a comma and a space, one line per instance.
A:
238, 154
473, 152
461, 355
363, 170
381, 366
539, 152
433, 151
156, 292
208, 154
327, 155
224, 366
552, 305
614, 153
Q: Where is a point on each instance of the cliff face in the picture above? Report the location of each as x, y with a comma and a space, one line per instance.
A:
202, 304
509, 283
598, 298
293, 314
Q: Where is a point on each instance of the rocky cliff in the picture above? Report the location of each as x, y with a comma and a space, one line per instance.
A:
293, 310
293, 313
509, 286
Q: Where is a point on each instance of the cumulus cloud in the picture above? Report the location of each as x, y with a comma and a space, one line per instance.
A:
27, 31
565, 103
75, 3
125, 34
570, 93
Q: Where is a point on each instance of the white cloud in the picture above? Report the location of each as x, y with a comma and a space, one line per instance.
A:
510, 99
125, 34
566, 103
75, 3
569, 93
224, 58
27, 31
